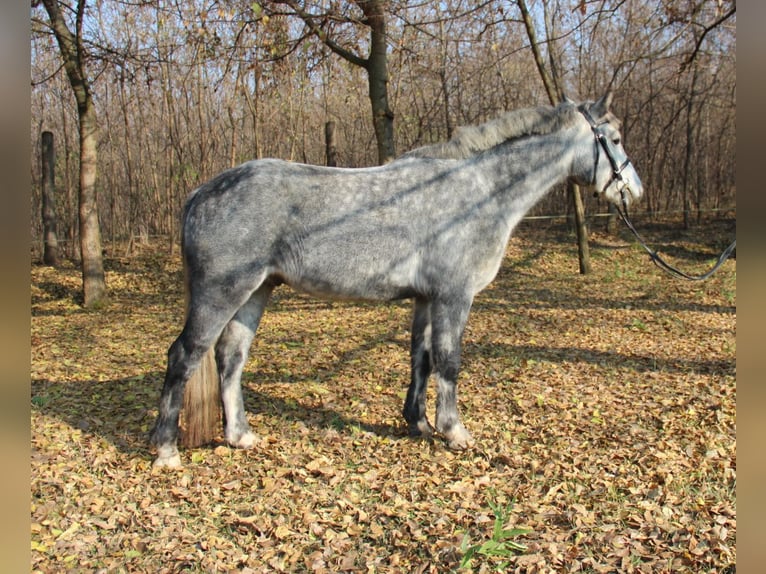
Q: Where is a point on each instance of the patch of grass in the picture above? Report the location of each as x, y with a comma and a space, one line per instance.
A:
39, 401
501, 545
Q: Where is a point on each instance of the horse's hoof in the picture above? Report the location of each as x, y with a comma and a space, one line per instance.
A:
458, 438
168, 462
245, 441
421, 429
167, 457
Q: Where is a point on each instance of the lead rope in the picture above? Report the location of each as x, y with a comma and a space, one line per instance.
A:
659, 261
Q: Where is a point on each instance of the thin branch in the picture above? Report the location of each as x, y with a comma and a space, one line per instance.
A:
319, 32
705, 31
49, 77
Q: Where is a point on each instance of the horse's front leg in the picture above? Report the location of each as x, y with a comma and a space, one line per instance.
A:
420, 369
448, 320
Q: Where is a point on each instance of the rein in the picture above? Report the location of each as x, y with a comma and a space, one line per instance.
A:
617, 169
659, 261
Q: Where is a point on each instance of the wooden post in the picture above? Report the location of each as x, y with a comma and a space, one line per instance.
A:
50, 240
611, 221
331, 148
582, 230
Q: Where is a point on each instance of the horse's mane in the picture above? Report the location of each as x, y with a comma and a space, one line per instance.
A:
468, 141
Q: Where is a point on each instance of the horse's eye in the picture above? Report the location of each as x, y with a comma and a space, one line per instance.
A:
616, 141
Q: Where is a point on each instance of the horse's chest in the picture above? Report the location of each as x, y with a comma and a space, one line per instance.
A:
469, 261
486, 271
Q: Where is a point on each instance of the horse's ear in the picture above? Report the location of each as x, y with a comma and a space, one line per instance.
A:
569, 100
601, 107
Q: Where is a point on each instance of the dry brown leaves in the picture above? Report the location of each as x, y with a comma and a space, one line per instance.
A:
603, 408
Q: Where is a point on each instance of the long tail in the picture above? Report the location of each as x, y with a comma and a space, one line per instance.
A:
201, 411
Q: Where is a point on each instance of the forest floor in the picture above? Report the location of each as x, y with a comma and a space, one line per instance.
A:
603, 408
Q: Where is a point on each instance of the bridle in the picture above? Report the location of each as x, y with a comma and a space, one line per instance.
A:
619, 161
617, 158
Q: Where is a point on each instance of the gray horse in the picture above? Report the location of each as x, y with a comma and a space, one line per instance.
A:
431, 226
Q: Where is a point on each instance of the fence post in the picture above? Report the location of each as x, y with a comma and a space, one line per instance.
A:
50, 239
582, 231
611, 221
331, 148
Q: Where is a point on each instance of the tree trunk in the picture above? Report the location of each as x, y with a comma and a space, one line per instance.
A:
50, 239
550, 82
377, 75
72, 52
687, 177
529, 25
93, 282
444, 39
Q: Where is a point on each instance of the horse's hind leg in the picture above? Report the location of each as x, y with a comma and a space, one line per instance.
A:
231, 353
420, 369
184, 357
209, 312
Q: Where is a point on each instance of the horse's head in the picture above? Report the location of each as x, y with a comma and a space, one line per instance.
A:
610, 172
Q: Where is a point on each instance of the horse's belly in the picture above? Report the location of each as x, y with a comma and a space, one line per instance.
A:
369, 290
359, 266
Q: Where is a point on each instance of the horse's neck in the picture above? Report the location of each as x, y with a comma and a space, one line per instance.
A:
525, 171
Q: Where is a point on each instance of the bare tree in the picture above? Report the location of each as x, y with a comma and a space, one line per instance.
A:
375, 63
73, 56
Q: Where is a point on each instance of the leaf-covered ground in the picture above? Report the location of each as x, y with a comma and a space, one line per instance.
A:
603, 407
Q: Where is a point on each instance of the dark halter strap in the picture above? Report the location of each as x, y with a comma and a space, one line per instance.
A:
601, 141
